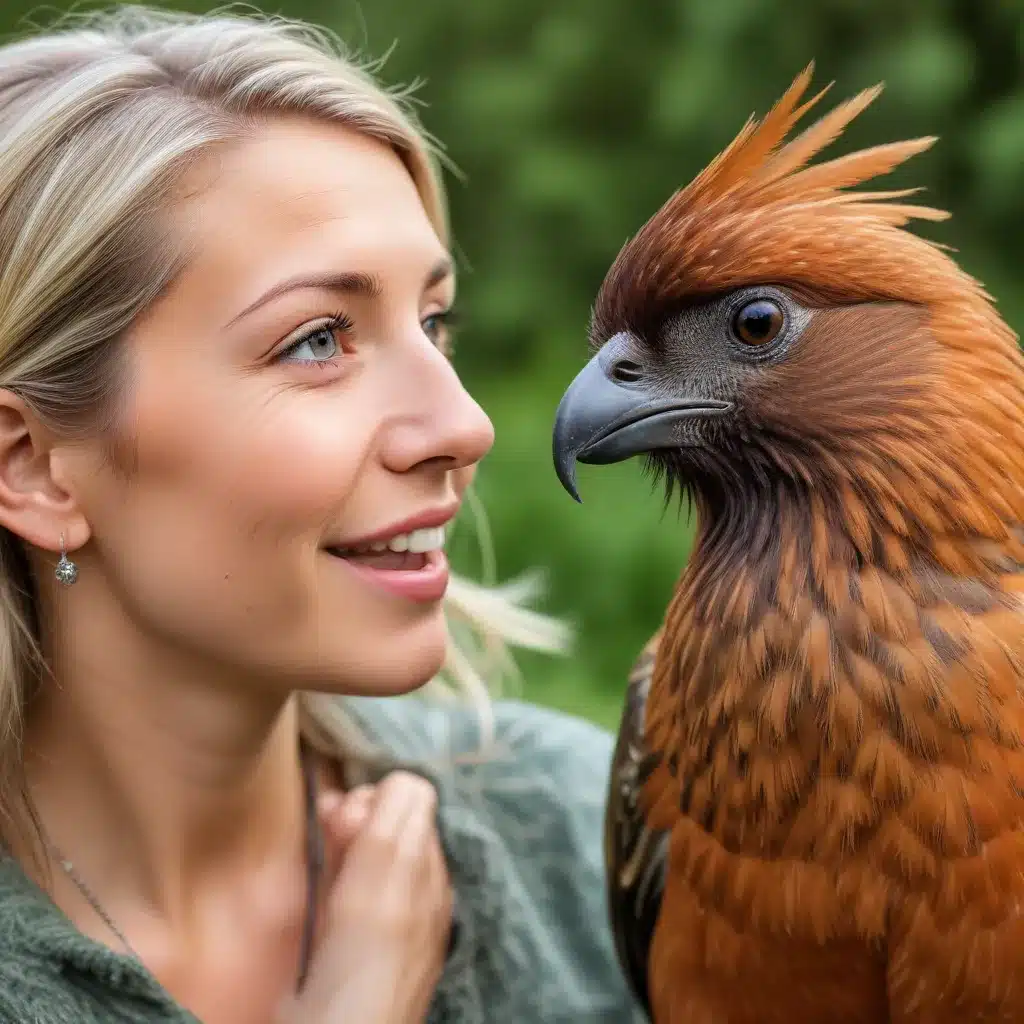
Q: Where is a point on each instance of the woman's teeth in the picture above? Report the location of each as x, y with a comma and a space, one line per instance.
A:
417, 542
406, 552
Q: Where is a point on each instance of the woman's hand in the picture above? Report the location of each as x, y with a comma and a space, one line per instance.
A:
387, 917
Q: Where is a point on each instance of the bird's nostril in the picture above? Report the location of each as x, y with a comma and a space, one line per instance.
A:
626, 371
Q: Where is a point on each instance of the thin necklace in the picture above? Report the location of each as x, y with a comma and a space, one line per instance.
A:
314, 866
69, 870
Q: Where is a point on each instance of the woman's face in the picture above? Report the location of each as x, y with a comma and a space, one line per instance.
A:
292, 407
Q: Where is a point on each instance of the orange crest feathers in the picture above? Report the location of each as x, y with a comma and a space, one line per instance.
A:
759, 214
756, 167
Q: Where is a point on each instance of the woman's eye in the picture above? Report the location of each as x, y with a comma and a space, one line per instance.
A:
437, 328
319, 345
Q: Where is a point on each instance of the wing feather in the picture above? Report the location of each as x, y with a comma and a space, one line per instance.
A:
635, 855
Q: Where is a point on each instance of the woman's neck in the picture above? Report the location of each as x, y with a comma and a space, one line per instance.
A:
156, 777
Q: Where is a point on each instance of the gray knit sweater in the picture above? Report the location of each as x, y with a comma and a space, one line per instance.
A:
522, 831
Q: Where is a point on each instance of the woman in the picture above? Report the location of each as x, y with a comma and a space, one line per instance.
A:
231, 442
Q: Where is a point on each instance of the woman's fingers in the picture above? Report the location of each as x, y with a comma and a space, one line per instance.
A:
343, 815
385, 934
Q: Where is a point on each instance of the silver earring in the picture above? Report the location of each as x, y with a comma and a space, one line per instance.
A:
66, 571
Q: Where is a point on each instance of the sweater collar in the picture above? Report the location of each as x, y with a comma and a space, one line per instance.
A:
34, 926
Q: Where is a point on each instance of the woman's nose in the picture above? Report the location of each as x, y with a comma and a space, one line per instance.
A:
443, 423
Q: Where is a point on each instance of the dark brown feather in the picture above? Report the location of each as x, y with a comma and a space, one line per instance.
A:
635, 854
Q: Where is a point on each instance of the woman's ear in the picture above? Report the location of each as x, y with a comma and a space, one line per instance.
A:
36, 500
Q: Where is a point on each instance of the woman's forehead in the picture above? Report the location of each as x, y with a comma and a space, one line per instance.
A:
301, 191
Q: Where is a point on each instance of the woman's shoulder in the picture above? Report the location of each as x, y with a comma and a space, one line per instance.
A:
521, 817
505, 759
439, 729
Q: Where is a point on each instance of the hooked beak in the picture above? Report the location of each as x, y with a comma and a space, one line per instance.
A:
601, 420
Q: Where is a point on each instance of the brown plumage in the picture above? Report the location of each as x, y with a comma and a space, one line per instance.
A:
832, 745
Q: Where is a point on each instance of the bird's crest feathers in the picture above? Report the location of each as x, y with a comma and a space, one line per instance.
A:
761, 166
761, 212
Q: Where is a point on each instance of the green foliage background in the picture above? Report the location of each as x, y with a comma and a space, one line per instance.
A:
572, 121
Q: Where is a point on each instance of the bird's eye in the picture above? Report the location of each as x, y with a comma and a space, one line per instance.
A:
758, 322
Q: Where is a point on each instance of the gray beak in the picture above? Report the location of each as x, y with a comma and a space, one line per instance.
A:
601, 419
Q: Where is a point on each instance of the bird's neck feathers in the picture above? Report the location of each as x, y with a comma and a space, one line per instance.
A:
857, 626
917, 471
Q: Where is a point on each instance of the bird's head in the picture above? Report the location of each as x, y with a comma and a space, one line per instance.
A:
767, 328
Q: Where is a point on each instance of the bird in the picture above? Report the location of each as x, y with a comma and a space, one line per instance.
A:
816, 805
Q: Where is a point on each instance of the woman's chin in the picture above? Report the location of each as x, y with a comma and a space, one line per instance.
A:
398, 662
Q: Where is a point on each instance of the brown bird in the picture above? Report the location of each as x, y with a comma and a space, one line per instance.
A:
819, 816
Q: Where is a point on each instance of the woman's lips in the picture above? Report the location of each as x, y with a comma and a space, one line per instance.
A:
416, 576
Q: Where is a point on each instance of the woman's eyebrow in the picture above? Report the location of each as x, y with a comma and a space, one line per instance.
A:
353, 282
442, 269
346, 282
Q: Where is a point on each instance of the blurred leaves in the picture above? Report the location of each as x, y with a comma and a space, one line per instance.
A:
573, 121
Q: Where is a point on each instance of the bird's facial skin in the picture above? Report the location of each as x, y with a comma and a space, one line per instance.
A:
762, 383
679, 386
721, 341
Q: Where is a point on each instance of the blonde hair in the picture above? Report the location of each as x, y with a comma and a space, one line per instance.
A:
100, 117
